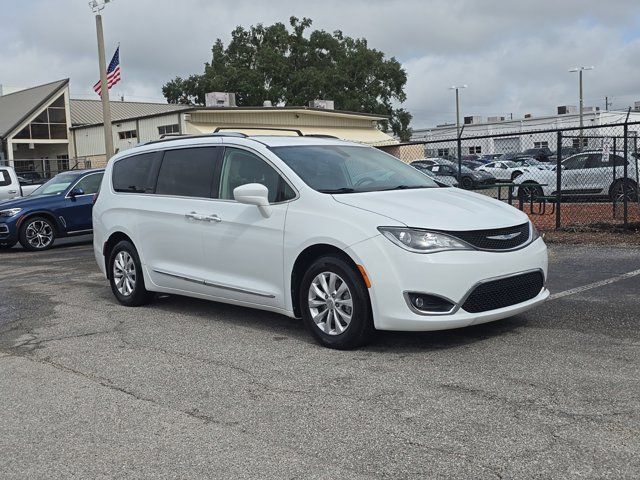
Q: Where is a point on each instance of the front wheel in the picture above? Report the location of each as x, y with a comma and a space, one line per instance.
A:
467, 183
37, 234
125, 276
530, 191
624, 189
335, 304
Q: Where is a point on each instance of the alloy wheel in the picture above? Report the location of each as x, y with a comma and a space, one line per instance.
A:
330, 303
124, 273
39, 234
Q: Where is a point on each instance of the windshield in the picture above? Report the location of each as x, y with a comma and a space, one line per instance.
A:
56, 185
510, 164
350, 169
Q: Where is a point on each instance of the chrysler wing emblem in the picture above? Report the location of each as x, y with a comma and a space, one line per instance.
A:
506, 236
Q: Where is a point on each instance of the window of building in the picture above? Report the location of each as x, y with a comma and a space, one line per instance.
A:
127, 134
443, 152
168, 129
540, 144
50, 124
136, 174
187, 172
476, 150
63, 162
580, 142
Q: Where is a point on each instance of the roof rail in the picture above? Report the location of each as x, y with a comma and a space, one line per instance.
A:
295, 130
321, 135
167, 137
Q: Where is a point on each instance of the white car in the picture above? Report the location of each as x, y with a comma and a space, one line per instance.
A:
276, 223
505, 170
584, 175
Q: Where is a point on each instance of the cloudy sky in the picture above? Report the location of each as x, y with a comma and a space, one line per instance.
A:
512, 54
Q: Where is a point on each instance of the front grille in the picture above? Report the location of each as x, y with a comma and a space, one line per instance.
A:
504, 292
482, 238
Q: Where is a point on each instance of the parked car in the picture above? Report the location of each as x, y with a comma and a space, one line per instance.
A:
60, 207
512, 156
30, 176
443, 181
277, 223
469, 179
533, 163
505, 171
583, 175
472, 164
489, 157
11, 186
541, 154
566, 153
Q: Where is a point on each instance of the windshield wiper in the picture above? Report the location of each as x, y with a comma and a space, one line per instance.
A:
405, 187
337, 190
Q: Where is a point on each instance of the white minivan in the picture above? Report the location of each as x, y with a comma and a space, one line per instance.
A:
343, 235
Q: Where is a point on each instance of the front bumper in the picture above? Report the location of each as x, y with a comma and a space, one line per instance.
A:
452, 275
8, 232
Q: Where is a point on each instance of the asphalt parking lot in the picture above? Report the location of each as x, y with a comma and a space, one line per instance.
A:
190, 389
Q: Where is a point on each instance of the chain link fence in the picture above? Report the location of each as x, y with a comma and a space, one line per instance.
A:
35, 171
574, 178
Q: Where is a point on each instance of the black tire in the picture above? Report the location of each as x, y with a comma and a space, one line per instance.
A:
7, 245
138, 295
621, 189
37, 234
530, 191
466, 183
360, 328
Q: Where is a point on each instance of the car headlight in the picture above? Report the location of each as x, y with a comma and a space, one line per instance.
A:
422, 241
10, 212
534, 232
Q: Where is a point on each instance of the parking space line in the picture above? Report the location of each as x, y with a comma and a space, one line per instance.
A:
589, 286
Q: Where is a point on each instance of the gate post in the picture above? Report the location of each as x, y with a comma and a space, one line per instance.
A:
624, 179
558, 178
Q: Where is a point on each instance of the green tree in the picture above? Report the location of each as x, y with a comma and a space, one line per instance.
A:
287, 66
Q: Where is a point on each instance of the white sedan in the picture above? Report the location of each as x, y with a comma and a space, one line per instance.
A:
505, 170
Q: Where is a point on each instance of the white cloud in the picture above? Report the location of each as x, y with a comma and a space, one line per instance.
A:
514, 55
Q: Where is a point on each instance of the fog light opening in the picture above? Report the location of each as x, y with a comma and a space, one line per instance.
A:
426, 303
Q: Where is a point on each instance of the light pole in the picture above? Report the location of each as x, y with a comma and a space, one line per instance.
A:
96, 7
456, 88
580, 70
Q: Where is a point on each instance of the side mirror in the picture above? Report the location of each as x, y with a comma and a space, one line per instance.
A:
76, 192
254, 194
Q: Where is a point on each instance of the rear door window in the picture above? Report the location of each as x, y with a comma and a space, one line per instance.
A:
188, 172
136, 174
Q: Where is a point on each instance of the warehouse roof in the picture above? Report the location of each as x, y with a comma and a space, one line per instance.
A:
16, 107
89, 112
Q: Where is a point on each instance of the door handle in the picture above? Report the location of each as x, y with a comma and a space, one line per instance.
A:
12, 192
213, 218
195, 216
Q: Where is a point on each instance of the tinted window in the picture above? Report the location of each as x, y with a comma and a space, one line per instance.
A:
241, 167
575, 163
135, 174
187, 172
90, 184
5, 179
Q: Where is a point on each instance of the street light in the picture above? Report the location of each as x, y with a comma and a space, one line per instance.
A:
580, 70
96, 7
456, 88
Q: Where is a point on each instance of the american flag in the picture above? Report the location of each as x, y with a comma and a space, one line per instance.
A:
113, 73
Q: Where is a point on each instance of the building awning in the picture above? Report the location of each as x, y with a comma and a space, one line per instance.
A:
369, 136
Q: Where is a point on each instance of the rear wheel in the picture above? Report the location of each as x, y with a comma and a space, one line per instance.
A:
530, 191
125, 276
335, 304
624, 189
37, 233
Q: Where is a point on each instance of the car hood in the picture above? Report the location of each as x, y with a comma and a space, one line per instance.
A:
28, 201
437, 208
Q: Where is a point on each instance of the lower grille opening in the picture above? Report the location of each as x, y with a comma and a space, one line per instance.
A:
504, 292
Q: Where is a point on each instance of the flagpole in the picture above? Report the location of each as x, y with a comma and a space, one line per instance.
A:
104, 89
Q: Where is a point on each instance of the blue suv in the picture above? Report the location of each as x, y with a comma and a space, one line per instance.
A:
60, 207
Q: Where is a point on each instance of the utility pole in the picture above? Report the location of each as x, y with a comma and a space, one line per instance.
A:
456, 88
606, 104
580, 70
97, 6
